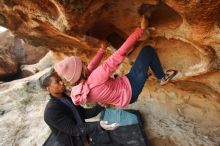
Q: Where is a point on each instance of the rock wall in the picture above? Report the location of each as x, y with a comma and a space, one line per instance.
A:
8, 63
185, 34
14, 53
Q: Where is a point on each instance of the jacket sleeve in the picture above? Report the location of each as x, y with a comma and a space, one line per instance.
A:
89, 113
96, 60
109, 66
57, 118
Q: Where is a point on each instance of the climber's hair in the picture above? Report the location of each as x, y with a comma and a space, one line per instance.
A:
47, 80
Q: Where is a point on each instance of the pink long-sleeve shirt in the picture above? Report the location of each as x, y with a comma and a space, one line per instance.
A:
96, 60
99, 87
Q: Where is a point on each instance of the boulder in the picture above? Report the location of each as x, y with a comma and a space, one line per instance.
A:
184, 33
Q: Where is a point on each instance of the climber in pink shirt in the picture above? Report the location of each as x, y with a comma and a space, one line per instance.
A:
94, 83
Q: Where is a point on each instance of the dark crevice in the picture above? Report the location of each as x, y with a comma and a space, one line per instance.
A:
166, 17
104, 30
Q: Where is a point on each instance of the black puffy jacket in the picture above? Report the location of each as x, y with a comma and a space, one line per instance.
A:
64, 131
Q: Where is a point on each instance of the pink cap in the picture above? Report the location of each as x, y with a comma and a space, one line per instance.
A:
70, 68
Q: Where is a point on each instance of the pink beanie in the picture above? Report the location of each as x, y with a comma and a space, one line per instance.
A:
70, 68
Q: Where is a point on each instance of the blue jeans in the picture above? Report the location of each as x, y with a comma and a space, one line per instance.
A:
139, 71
